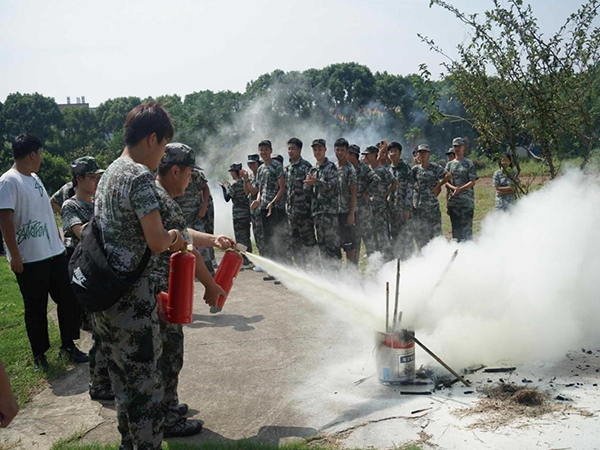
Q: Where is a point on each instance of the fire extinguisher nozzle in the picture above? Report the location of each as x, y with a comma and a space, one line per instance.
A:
241, 248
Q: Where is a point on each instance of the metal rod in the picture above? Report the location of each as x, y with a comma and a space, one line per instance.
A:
454, 255
397, 295
387, 306
446, 366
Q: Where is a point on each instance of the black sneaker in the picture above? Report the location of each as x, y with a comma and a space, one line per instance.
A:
182, 409
102, 394
73, 354
41, 364
183, 428
269, 278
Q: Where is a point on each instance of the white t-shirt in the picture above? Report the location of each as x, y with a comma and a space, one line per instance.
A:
35, 226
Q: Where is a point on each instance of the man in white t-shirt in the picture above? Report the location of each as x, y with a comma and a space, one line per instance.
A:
36, 253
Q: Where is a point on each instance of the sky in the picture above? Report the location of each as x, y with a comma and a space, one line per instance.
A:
112, 48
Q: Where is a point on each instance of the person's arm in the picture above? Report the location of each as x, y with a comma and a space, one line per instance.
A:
158, 239
444, 180
8, 232
392, 188
55, 206
8, 403
77, 229
351, 216
280, 192
212, 290
200, 239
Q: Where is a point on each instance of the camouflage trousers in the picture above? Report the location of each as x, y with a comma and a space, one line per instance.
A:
427, 224
364, 228
130, 332
328, 237
402, 243
275, 234
170, 364
303, 243
381, 231
257, 229
461, 217
241, 231
99, 377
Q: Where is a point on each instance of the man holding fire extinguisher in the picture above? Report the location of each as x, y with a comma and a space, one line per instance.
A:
174, 174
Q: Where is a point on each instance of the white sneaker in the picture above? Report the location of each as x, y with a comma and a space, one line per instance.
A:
257, 269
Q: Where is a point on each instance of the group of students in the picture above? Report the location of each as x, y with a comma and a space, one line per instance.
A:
308, 214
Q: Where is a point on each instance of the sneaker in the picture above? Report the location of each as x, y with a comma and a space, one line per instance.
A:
257, 269
40, 363
269, 278
183, 428
102, 394
73, 354
182, 409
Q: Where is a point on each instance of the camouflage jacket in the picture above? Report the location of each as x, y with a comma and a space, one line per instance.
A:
425, 179
386, 178
65, 192
347, 177
268, 176
401, 199
298, 199
74, 211
172, 218
366, 181
191, 201
254, 183
325, 192
241, 203
462, 172
501, 179
126, 193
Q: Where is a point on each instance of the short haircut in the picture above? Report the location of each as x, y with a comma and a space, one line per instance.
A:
164, 169
145, 119
24, 144
395, 145
341, 142
295, 141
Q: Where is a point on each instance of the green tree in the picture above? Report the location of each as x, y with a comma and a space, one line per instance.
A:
81, 134
54, 171
112, 114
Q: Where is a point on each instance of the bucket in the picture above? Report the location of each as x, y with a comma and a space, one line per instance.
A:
395, 358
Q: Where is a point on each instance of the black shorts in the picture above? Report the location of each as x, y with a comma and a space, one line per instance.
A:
347, 233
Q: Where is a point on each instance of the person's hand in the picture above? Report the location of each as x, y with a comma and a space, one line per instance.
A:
406, 215
254, 205
16, 264
223, 242
436, 190
310, 180
351, 218
212, 293
269, 209
244, 174
202, 211
178, 243
456, 191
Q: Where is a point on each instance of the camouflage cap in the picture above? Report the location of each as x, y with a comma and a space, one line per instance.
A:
319, 141
423, 148
84, 165
370, 150
234, 167
450, 151
278, 158
354, 149
180, 155
265, 143
254, 158
458, 141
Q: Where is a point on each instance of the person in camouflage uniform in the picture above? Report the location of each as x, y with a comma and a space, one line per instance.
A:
241, 207
323, 185
380, 193
461, 204
65, 192
400, 204
428, 181
365, 180
174, 174
194, 204
207, 223
347, 199
301, 225
75, 213
505, 181
127, 212
270, 180
251, 189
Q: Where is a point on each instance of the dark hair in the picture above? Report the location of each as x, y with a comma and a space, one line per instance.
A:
164, 169
145, 119
295, 141
395, 145
24, 144
510, 159
341, 142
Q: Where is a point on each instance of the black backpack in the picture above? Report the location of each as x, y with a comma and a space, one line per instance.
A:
94, 282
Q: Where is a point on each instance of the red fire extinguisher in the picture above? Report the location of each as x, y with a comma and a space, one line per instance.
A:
181, 287
227, 271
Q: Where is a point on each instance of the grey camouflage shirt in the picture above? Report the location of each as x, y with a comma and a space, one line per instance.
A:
65, 192
462, 172
425, 179
298, 199
386, 178
346, 177
402, 199
126, 193
74, 211
241, 203
366, 180
267, 178
325, 192
191, 201
502, 180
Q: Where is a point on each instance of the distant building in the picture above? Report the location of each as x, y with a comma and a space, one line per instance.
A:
80, 103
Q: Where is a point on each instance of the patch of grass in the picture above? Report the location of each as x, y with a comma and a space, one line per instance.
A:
15, 351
